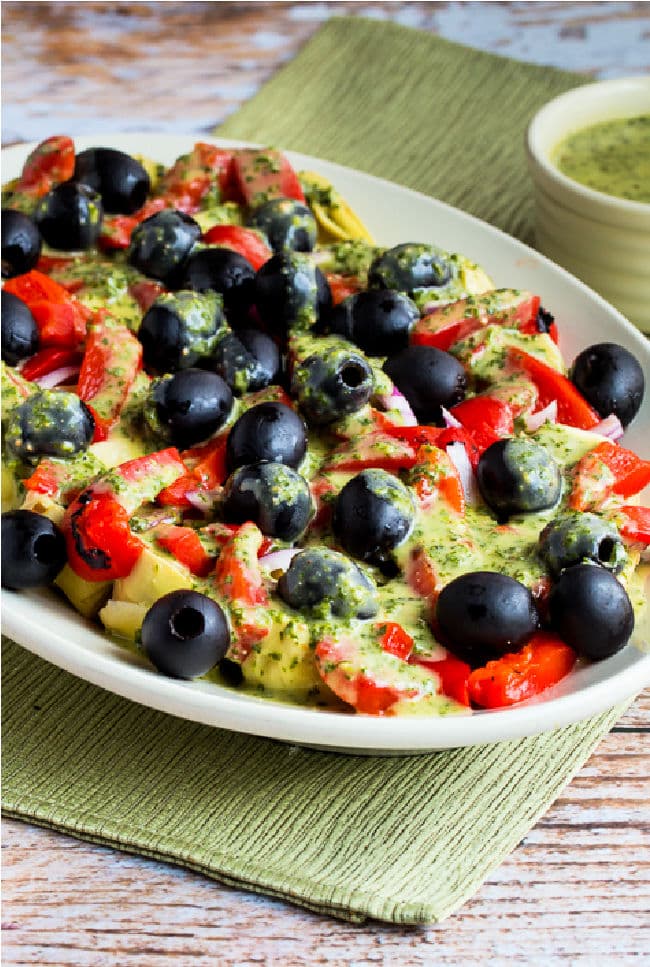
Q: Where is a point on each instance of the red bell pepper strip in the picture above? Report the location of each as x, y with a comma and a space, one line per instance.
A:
486, 418
541, 663
444, 326
572, 407
99, 541
434, 477
607, 469
242, 240
60, 318
238, 581
422, 576
259, 175
375, 450
146, 292
394, 639
46, 361
208, 471
185, 545
190, 178
453, 674
50, 163
342, 286
116, 230
111, 362
635, 526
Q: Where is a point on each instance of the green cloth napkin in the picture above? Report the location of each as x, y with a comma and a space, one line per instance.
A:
399, 839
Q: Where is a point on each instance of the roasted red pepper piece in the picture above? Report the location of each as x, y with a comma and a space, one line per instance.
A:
572, 407
185, 545
258, 175
541, 663
111, 362
607, 469
486, 418
453, 674
636, 524
46, 361
242, 240
51, 162
100, 544
342, 286
190, 178
238, 579
146, 292
61, 320
207, 473
394, 639
444, 326
374, 450
434, 476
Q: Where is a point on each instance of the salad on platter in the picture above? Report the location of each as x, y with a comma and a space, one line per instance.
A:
265, 450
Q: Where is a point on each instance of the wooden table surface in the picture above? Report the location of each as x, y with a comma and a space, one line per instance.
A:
577, 889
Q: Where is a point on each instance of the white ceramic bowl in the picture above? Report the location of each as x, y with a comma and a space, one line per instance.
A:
602, 239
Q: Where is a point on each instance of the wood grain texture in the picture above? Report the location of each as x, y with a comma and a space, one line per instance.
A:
575, 891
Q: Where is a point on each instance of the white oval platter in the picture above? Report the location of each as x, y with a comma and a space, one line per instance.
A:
47, 626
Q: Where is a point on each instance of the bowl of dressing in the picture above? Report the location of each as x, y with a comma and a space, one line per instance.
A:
589, 157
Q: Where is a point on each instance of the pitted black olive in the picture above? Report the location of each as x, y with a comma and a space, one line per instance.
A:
70, 216
576, 538
323, 582
272, 495
188, 407
185, 634
378, 321
122, 181
611, 379
291, 293
246, 369
287, 224
429, 378
332, 383
410, 267
49, 424
226, 272
518, 476
181, 330
33, 550
161, 243
19, 329
21, 243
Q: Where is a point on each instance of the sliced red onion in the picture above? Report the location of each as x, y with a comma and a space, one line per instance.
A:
279, 560
397, 401
611, 427
204, 500
458, 456
57, 376
533, 421
449, 419
430, 307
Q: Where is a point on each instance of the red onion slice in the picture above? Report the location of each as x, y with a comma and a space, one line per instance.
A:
458, 456
57, 376
279, 560
397, 401
450, 421
533, 421
611, 427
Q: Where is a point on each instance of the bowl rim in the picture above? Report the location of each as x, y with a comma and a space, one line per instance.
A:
540, 158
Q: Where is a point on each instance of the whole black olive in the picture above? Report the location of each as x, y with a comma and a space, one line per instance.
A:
122, 181
287, 224
268, 431
33, 550
518, 476
410, 267
185, 634
70, 216
248, 360
180, 330
161, 243
591, 611
291, 293
323, 583
611, 379
374, 512
19, 329
378, 321
21, 243
188, 407
272, 495
575, 538
226, 272
50, 423
429, 379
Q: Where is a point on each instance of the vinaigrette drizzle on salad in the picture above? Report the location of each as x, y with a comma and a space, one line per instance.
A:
262, 448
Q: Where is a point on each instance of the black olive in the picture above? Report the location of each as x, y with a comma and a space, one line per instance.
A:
482, 615
33, 550
185, 634
21, 243
332, 383
226, 272
161, 243
122, 181
19, 330
287, 224
188, 407
575, 538
544, 321
378, 321
518, 476
374, 512
429, 379
611, 379
410, 267
231, 672
291, 293
247, 360
591, 611
323, 582
49, 424
180, 330
70, 216
268, 431
272, 495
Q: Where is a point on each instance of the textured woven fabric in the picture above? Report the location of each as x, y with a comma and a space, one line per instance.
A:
401, 839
